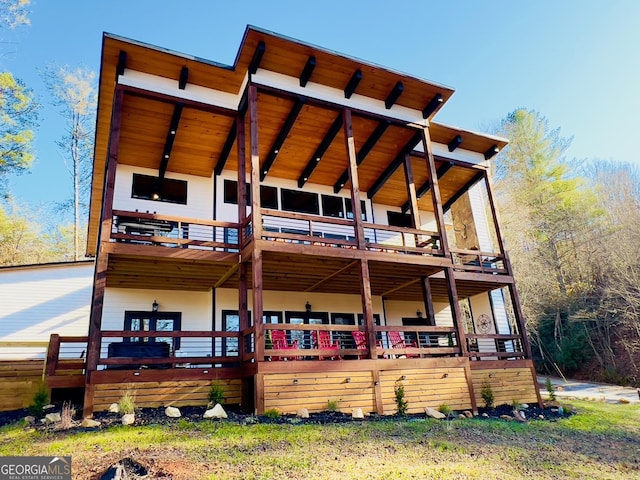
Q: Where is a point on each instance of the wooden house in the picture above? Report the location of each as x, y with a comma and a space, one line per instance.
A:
297, 228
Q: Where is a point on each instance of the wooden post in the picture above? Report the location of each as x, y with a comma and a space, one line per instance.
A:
53, 353
243, 293
452, 291
435, 191
353, 176
256, 225
411, 191
367, 309
102, 258
513, 292
428, 301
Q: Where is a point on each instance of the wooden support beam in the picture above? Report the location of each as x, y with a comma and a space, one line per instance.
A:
363, 152
394, 94
426, 186
494, 150
393, 166
433, 105
367, 308
350, 147
122, 63
400, 287
227, 275
476, 178
435, 191
427, 298
452, 293
102, 258
353, 84
257, 57
320, 151
226, 149
171, 136
173, 99
282, 136
455, 143
184, 77
329, 277
411, 192
256, 226
307, 71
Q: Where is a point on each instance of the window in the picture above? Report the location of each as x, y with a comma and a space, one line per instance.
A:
307, 318
153, 322
397, 219
159, 189
332, 206
363, 208
268, 195
297, 201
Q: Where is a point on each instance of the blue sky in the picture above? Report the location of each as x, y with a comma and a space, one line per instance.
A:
576, 62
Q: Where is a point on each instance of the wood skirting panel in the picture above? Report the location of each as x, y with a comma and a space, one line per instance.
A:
507, 383
19, 381
288, 392
426, 388
160, 394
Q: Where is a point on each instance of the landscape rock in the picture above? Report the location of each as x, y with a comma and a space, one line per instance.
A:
462, 416
357, 413
623, 400
524, 405
433, 413
506, 417
215, 412
30, 419
114, 408
541, 417
48, 407
172, 412
128, 418
468, 414
52, 417
89, 423
485, 415
520, 416
302, 413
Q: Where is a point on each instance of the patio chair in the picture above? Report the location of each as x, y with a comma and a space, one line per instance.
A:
322, 341
279, 342
397, 341
360, 340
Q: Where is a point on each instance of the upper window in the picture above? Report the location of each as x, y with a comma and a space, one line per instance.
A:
397, 219
363, 209
332, 206
159, 189
268, 195
297, 201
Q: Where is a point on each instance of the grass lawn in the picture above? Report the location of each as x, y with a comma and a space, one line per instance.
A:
602, 441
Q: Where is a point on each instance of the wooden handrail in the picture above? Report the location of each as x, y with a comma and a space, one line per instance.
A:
169, 334
174, 218
408, 231
498, 336
308, 218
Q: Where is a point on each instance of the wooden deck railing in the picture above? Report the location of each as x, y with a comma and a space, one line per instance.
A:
173, 231
478, 262
495, 346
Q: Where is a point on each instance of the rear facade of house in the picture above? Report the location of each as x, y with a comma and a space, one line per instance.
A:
297, 229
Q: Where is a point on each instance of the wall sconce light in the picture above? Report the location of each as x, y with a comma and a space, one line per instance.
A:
491, 375
295, 381
205, 371
154, 306
419, 314
136, 374
348, 380
307, 307
376, 383
445, 375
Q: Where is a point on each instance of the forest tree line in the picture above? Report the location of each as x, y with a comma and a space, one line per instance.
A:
572, 228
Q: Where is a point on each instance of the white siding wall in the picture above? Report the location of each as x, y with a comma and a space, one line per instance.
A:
40, 300
194, 306
199, 194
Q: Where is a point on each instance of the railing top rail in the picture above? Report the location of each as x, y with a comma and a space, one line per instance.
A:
412, 231
461, 251
416, 328
23, 344
498, 336
169, 334
173, 218
313, 327
309, 218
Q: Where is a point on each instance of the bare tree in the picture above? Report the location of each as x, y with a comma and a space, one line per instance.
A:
74, 93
